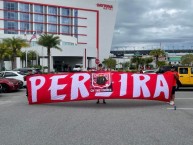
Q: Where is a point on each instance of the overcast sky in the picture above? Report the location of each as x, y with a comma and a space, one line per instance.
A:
148, 24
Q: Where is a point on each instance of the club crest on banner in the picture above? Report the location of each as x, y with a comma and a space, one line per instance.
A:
101, 82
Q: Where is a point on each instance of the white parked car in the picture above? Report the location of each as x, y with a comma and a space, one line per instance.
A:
78, 67
13, 74
153, 71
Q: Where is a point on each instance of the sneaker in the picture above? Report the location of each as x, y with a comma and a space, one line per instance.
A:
97, 102
104, 102
172, 103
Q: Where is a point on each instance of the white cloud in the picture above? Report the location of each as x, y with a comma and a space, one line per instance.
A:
153, 21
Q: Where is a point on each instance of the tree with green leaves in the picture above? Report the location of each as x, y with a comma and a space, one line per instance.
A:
32, 55
110, 63
15, 45
49, 41
22, 56
187, 59
161, 63
4, 52
125, 65
148, 60
137, 60
157, 53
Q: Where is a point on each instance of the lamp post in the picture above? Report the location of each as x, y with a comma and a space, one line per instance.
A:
26, 58
123, 58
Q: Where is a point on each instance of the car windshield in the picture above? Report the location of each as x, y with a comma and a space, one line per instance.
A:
21, 73
24, 71
77, 66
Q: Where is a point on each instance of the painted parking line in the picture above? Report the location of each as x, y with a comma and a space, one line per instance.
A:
5, 102
184, 98
172, 108
180, 108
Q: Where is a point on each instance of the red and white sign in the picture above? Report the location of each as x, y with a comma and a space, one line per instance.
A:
97, 61
49, 88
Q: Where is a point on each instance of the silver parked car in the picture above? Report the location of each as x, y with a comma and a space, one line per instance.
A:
14, 75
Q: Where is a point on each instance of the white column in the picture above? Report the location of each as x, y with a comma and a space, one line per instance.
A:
84, 59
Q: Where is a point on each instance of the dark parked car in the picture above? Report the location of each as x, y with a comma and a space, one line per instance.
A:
0, 88
24, 71
9, 85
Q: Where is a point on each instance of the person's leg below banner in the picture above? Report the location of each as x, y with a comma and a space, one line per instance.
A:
173, 96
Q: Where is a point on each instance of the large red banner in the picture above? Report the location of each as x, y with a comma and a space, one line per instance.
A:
64, 87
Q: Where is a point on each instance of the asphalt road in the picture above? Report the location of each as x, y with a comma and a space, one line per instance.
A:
119, 122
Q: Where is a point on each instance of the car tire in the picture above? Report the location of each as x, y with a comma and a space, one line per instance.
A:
5, 89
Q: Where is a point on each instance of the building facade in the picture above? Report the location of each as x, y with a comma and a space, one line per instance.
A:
85, 28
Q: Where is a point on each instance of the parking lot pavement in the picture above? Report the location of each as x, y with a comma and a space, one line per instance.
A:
123, 122
184, 99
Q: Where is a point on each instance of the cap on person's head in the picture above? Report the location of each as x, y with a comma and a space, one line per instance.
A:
172, 67
100, 65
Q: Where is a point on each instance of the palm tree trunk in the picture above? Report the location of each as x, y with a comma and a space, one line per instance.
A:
14, 60
156, 61
1, 65
48, 60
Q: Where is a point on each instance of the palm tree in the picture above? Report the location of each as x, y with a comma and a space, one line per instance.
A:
4, 52
32, 55
148, 60
49, 41
187, 59
15, 44
110, 63
157, 53
137, 60
125, 65
22, 57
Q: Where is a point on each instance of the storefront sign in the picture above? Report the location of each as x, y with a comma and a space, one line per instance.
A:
105, 6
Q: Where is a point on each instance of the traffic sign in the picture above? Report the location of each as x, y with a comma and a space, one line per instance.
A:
97, 61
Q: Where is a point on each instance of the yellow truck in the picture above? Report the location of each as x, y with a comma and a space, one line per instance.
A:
185, 75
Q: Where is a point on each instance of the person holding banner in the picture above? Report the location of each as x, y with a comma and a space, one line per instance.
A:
29, 74
100, 68
176, 78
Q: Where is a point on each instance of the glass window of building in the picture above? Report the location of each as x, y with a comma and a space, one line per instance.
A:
52, 28
24, 16
66, 43
39, 28
24, 26
76, 32
65, 29
24, 7
38, 8
11, 15
38, 18
11, 27
52, 10
10, 6
75, 13
66, 21
76, 23
65, 12
52, 19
